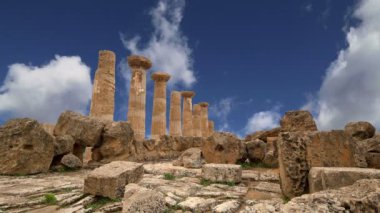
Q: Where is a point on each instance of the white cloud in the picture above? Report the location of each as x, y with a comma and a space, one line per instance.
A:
351, 88
44, 92
221, 111
167, 47
263, 120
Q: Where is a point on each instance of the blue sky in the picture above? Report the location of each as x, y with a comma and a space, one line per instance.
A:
251, 60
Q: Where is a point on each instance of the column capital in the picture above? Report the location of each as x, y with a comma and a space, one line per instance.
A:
160, 76
137, 61
107, 55
204, 104
188, 94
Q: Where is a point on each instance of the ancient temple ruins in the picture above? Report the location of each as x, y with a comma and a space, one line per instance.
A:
190, 120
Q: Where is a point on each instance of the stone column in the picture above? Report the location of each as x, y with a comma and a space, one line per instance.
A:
187, 119
211, 127
137, 94
159, 104
175, 114
204, 119
103, 92
197, 132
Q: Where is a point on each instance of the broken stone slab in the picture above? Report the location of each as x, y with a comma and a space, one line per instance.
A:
109, 180
198, 204
63, 144
25, 147
300, 151
256, 150
363, 196
141, 199
323, 178
85, 130
222, 172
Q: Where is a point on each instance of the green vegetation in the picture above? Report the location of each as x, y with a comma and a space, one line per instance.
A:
285, 199
205, 182
251, 165
173, 209
169, 176
50, 199
100, 202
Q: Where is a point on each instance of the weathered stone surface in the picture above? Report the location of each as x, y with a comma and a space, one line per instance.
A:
363, 196
222, 172
159, 104
25, 147
223, 147
141, 199
323, 178
117, 139
49, 128
271, 155
71, 161
175, 123
85, 130
299, 120
263, 135
187, 120
204, 119
230, 206
63, 144
191, 158
103, 92
256, 150
137, 94
360, 130
372, 148
211, 127
198, 204
109, 180
197, 122
299, 151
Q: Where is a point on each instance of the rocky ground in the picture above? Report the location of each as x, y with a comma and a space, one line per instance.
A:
184, 190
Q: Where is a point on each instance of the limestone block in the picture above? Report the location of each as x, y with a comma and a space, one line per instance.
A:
141, 199
256, 150
223, 148
299, 151
109, 180
63, 144
117, 139
298, 121
323, 178
191, 158
222, 172
85, 130
198, 204
71, 161
360, 130
25, 147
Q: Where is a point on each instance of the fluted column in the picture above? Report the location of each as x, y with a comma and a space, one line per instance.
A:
175, 114
103, 91
187, 120
159, 104
197, 132
211, 127
137, 94
204, 119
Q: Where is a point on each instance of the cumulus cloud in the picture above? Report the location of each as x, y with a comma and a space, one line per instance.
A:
167, 47
351, 88
221, 110
44, 92
263, 120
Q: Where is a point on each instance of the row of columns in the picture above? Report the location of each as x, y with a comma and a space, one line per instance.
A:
193, 122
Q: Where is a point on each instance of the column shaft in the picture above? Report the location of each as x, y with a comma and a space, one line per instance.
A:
187, 120
159, 105
197, 121
103, 92
204, 119
211, 127
175, 114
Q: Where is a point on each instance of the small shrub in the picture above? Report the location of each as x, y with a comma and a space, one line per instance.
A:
285, 199
50, 199
169, 176
100, 202
251, 165
205, 182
